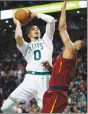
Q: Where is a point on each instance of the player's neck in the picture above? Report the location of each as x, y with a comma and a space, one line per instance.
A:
34, 39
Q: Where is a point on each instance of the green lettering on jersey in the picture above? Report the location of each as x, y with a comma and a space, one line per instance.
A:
37, 55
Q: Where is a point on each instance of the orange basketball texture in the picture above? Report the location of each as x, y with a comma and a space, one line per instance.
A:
23, 15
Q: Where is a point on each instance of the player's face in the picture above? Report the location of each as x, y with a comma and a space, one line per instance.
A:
34, 32
78, 45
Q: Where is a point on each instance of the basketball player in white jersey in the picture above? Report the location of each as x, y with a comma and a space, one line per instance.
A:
35, 52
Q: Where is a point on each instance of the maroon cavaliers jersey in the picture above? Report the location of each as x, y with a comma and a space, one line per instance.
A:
63, 70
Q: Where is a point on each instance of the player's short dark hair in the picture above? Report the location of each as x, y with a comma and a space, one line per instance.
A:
29, 28
84, 44
83, 50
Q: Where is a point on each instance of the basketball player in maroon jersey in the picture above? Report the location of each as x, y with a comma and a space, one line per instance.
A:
55, 98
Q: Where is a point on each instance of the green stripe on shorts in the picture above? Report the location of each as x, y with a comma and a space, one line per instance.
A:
38, 73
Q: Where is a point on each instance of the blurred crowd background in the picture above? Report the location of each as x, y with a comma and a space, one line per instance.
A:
12, 63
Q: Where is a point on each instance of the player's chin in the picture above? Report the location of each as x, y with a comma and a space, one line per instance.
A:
36, 37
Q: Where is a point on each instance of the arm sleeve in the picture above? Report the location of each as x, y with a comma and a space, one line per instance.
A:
23, 48
50, 28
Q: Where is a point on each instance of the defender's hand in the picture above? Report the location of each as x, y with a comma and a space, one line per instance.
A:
47, 65
64, 5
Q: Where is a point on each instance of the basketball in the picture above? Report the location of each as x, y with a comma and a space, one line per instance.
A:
23, 15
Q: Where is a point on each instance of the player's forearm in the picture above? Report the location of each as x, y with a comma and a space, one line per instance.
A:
47, 18
18, 31
62, 22
18, 35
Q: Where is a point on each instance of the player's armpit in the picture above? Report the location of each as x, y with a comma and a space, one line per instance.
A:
20, 41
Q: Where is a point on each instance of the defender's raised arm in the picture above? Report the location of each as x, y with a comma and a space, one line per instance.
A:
62, 27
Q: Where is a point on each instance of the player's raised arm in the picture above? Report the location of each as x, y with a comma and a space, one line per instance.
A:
50, 27
62, 27
18, 33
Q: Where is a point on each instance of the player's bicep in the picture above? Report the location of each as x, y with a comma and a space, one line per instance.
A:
23, 48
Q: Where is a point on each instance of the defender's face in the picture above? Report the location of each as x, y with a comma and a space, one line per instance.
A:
78, 45
34, 32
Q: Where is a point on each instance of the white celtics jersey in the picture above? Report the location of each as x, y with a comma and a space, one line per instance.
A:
36, 52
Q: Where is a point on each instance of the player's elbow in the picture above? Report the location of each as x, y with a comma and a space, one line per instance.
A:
52, 20
18, 37
62, 28
4, 109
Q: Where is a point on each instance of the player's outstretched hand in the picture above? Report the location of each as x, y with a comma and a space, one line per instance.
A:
64, 5
16, 21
